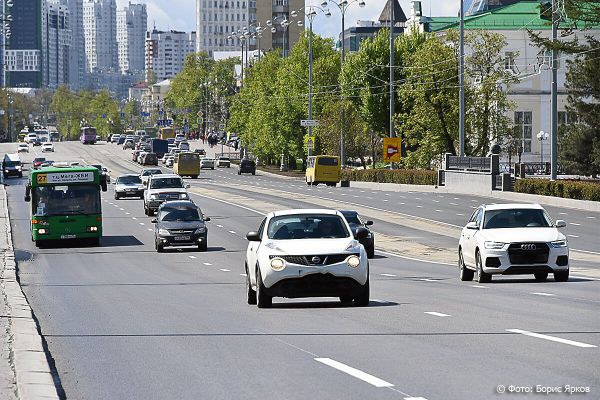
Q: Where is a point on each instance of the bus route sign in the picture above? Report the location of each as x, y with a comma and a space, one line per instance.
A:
65, 177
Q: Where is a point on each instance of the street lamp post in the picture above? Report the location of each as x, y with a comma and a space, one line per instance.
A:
242, 40
541, 136
342, 6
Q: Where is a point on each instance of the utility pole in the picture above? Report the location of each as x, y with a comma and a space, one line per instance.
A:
554, 100
461, 120
311, 15
392, 106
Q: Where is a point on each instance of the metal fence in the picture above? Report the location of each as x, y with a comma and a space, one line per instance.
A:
482, 164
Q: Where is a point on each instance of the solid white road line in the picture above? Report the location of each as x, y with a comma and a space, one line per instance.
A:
413, 258
388, 275
543, 294
437, 314
363, 376
551, 338
415, 398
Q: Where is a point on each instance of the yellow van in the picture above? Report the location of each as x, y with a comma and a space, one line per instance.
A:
323, 169
187, 164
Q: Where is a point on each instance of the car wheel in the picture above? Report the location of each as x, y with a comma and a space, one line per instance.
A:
465, 273
203, 246
541, 276
117, 197
150, 212
362, 300
250, 293
263, 300
213, 168
561, 276
307, 182
254, 173
371, 252
146, 210
159, 247
239, 172
482, 277
95, 242
346, 300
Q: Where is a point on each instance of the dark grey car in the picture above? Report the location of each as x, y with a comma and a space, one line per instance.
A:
355, 221
180, 223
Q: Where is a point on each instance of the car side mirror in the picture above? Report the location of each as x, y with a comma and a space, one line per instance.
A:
154, 220
187, 186
361, 233
369, 223
253, 236
206, 219
472, 225
560, 223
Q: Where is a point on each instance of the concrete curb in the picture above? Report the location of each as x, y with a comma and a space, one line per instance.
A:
33, 375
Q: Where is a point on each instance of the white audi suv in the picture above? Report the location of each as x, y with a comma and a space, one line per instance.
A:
306, 253
512, 239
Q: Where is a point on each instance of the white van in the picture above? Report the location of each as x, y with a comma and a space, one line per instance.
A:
11, 165
31, 137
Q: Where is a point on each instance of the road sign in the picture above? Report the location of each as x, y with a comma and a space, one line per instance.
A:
309, 122
122, 115
309, 142
122, 122
200, 120
391, 149
199, 113
221, 127
104, 115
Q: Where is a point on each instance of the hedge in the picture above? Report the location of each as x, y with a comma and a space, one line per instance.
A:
405, 176
579, 190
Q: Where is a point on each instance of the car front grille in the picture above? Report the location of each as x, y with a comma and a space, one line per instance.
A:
323, 259
528, 253
181, 231
168, 196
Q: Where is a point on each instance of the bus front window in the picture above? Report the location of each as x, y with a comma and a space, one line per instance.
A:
66, 200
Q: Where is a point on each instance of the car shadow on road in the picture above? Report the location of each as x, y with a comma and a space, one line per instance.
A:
332, 304
192, 249
532, 280
105, 241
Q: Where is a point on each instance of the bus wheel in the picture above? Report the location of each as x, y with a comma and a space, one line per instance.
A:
95, 242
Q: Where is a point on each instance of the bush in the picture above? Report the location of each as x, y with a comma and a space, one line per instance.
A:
405, 176
578, 190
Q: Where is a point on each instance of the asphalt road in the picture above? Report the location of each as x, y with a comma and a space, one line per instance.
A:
124, 322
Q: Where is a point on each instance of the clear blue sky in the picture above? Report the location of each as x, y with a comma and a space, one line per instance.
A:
180, 14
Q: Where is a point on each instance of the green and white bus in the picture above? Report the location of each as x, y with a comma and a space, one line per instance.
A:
65, 203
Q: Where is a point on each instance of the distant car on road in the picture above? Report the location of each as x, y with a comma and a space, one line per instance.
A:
355, 221
149, 159
147, 172
161, 188
512, 239
180, 223
23, 148
202, 152
37, 142
47, 147
11, 165
129, 185
38, 161
170, 161
103, 171
207, 163
223, 161
184, 146
306, 253
247, 167
128, 144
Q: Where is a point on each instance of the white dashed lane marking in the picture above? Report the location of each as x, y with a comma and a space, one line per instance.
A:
573, 236
437, 314
388, 275
542, 294
234, 232
224, 269
479, 286
551, 338
207, 264
363, 376
192, 257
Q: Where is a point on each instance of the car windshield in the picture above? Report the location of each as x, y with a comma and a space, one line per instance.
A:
66, 200
352, 218
39, 159
129, 180
151, 172
516, 218
165, 183
180, 214
306, 227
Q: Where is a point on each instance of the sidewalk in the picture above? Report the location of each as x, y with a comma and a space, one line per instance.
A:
24, 369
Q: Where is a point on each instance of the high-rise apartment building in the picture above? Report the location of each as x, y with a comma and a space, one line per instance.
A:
217, 19
132, 23
23, 54
100, 32
277, 11
56, 38
166, 52
77, 48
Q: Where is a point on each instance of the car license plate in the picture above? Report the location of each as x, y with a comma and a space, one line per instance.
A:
182, 238
68, 236
131, 190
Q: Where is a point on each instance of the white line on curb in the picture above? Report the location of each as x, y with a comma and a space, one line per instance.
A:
551, 338
363, 376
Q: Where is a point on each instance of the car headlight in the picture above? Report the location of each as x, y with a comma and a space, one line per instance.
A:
163, 232
183, 195
19, 168
42, 231
277, 264
200, 230
353, 261
559, 243
92, 229
494, 245
153, 197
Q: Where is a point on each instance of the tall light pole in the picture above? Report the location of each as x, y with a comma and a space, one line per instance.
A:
342, 6
242, 39
392, 51
554, 97
461, 77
